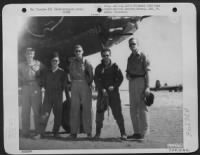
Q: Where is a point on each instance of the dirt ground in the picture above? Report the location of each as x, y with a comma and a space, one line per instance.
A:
166, 122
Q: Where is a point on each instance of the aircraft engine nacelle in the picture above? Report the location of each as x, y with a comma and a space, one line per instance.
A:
60, 34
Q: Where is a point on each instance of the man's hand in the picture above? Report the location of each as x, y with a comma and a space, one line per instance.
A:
147, 91
111, 88
104, 92
128, 77
68, 86
44, 117
20, 90
43, 89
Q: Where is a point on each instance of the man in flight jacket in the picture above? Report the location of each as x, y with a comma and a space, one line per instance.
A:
108, 77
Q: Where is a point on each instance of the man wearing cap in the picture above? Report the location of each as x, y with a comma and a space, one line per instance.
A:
137, 74
81, 76
30, 73
54, 84
108, 77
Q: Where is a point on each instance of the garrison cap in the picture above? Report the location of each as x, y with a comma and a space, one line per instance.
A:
132, 40
77, 46
105, 50
30, 49
149, 99
55, 55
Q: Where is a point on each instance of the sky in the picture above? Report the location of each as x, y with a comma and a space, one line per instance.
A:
160, 39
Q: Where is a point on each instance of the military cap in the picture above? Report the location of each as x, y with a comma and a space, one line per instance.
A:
30, 49
105, 50
77, 46
132, 40
55, 55
149, 99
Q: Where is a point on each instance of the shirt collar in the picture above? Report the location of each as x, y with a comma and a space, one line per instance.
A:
137, 53
54, 70
110, 64
79, 60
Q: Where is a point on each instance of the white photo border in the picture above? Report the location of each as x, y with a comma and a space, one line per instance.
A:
10, 15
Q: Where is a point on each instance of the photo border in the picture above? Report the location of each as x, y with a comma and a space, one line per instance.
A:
187, 93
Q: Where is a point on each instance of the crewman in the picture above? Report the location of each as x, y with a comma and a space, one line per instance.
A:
55, 81
30, 75
108, 78
81, 76
138, 77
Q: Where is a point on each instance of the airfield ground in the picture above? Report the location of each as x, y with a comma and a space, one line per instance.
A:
166, 127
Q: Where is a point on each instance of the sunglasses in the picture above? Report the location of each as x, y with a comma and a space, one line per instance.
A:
132, 44
106, 55
77, 51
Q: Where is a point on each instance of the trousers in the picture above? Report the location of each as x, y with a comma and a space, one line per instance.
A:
138, 109
115, 105
81, 94
31, 98
53, 101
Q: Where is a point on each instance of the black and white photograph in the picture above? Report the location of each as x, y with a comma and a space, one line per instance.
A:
101, 83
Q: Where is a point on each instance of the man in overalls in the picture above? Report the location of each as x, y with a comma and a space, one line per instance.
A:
81, 76
29, 79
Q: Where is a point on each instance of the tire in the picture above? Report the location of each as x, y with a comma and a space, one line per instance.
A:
66, 117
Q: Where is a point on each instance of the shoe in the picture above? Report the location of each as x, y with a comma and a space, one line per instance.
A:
38, 136
136, 136
26, 135
97, 136
123, 137
89, 135
56, 135
132, 136
73, 136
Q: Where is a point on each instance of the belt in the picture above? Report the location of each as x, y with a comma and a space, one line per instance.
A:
134, 76
78, 80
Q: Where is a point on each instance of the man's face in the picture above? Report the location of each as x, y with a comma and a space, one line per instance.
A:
30, 53
55, 62
106, 57
133, 44
78, 52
